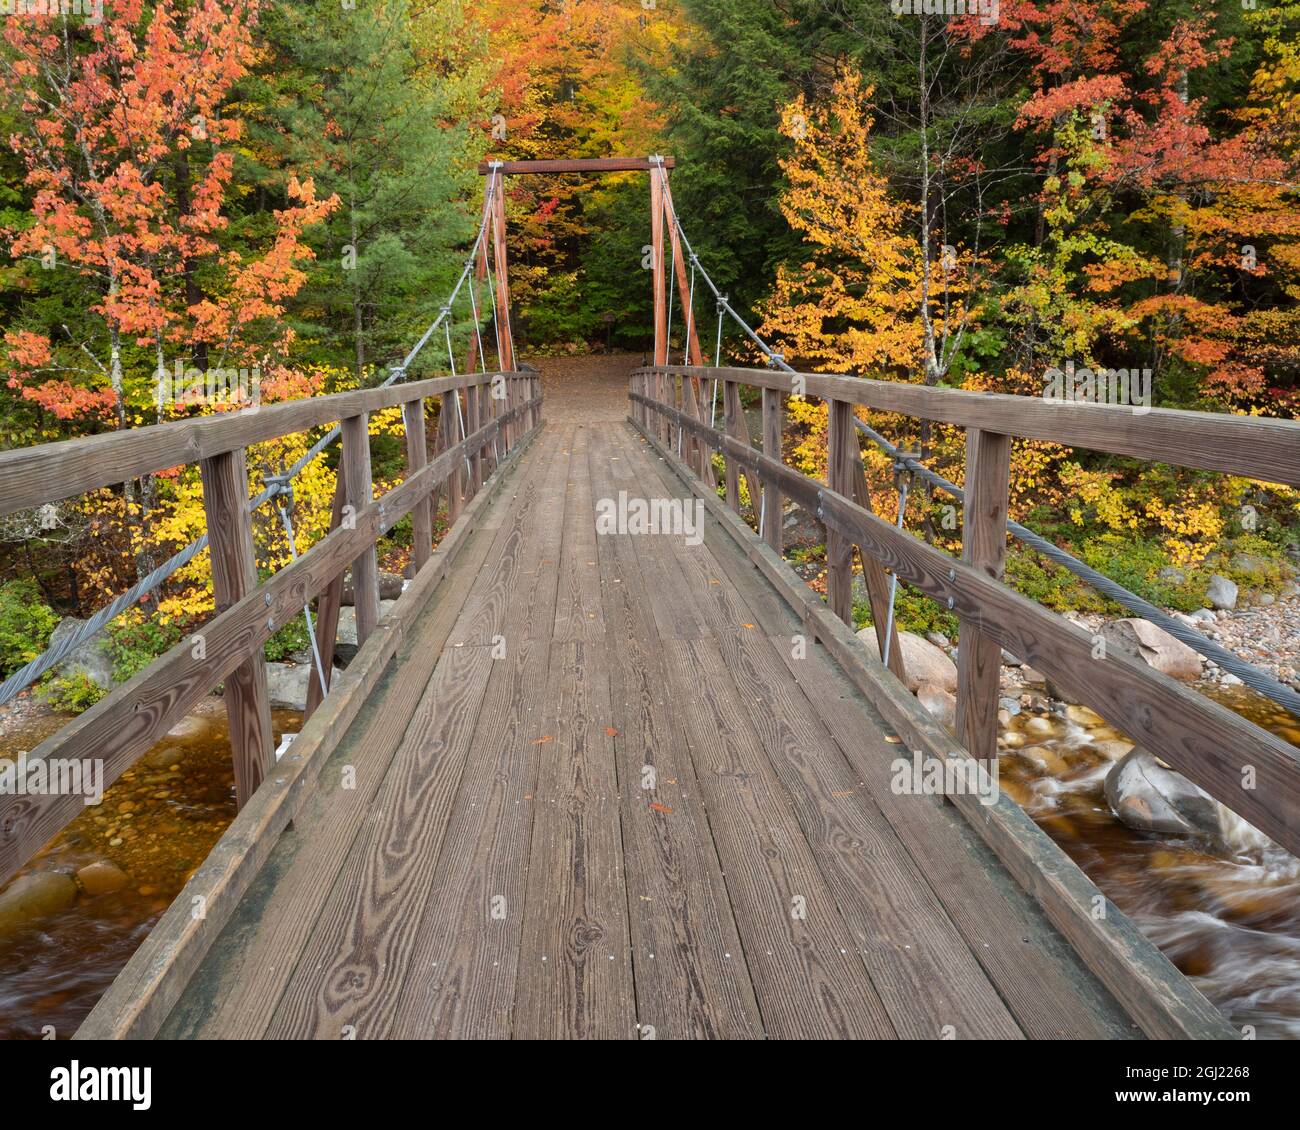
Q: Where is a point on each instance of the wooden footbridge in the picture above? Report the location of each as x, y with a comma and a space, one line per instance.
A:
590, 782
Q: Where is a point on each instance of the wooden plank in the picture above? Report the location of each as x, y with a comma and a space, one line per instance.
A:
234, 576
773, 427
1250, 770
234, 993
327, 612
679, 912
1042, 980
135, 716
984, 547
417, 456
918, 962
142, 995
469, 940
575, 963
1159, 998
48, 472
466, 962
578, 603
350, 977
449, 425
576, 165
506, 585
841, 462
1257, 447
365, 566
809, 982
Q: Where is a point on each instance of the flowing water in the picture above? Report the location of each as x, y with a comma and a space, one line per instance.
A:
1226, 914
155, 826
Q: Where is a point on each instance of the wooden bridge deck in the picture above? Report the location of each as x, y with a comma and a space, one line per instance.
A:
480, 857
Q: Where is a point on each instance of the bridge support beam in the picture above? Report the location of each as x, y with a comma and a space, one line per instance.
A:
234, 576
984, 545
498, 185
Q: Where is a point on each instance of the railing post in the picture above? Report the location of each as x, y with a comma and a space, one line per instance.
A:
731, 416
327, 610
450, 427
773, 426
234, 576
984, 545
473, 413
365, 569
417, 456
842, 446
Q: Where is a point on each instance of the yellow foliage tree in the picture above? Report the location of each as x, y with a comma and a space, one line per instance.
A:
852, 305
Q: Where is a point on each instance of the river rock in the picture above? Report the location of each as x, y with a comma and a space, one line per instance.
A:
939, 703
287, 684
101, 878
32, 897
1154, 646
923, 662
1150, 798
90, 659
390, 588
1221, 592
164, 757
188, 729
347, 632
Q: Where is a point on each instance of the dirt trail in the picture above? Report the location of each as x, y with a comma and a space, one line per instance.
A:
586, 388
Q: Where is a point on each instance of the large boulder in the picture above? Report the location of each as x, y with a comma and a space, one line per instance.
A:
1146, 796
1221, 592
347, 632
922, 661
101, 878
390, 588
939, 703
34, 896
91, 659
1154, 646
287, 684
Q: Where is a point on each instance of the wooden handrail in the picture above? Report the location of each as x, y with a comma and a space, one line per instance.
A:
48, 472
137, 714
1256, 447
1253, 772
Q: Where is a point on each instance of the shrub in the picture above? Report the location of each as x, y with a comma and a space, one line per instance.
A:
26, 622
288, 640
136, 640
71, 694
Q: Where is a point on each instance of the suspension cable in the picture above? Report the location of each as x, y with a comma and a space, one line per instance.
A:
277, 484
1252, 676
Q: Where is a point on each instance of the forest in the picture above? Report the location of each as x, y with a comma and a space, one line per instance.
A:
256, 193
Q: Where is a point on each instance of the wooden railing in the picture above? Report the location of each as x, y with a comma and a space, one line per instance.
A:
1248, 769
500, 410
